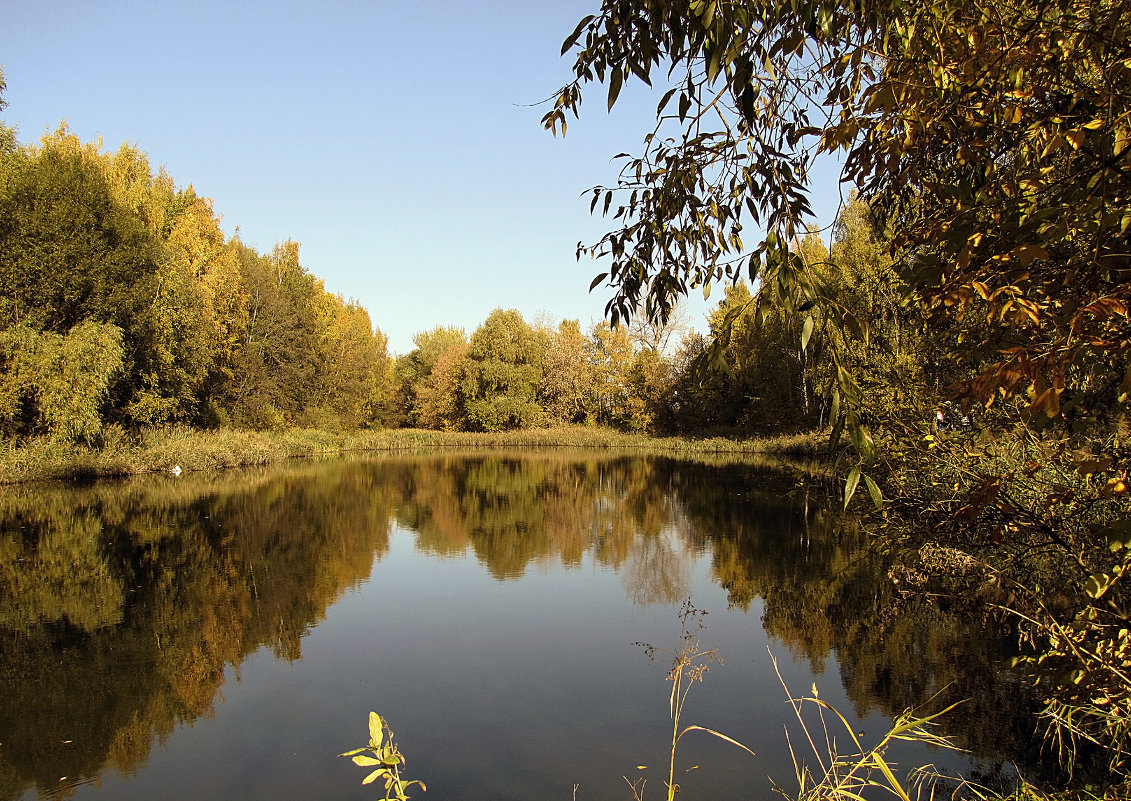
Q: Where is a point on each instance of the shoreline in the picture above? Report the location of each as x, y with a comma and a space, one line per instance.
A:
186, 449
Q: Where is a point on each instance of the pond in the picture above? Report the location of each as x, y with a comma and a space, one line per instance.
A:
225, 636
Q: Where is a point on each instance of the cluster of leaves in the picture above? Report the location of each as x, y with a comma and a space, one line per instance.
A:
994, 141
385, 758
1036, 530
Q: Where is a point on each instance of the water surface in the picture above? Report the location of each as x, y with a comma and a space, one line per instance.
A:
225, 635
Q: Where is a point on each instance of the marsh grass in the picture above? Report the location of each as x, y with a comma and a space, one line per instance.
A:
161, 450
833, 772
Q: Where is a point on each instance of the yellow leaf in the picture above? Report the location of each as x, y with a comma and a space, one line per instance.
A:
1113, 487
1028, 253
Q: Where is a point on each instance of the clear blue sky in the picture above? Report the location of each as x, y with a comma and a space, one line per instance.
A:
395, 141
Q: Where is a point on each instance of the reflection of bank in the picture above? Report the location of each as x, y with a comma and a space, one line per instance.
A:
123, 604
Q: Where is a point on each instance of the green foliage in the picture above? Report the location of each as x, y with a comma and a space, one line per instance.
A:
991, 147
383, 755
212, 331
71, 251
442, 404
76, 381
19, 356
1001, 158
992, 144
1036, 531
502, 374
59, 384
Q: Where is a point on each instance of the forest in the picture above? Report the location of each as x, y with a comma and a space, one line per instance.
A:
961, 333
125, 306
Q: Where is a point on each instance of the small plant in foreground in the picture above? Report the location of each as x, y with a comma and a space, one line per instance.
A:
688, 665
386, 760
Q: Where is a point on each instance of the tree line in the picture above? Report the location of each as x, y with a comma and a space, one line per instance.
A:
123, 303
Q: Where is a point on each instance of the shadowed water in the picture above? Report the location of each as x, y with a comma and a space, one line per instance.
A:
225, 636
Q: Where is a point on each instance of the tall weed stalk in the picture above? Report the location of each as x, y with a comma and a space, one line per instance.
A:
689, 664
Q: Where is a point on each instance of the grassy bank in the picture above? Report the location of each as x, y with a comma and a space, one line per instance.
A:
190, 449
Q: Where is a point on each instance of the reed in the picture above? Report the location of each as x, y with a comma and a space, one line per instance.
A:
165, 449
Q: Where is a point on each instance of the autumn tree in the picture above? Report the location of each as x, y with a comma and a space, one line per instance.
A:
440, 400
900, 369
414, 376
995, 140
71, 251
273, 378
611, 359
567, 376
350, 363
209, 331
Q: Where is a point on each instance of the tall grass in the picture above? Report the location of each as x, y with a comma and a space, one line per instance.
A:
161, 450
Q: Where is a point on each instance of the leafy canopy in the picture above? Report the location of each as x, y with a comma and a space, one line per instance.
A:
995, 137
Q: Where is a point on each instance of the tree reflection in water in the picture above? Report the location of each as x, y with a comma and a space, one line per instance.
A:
122, 605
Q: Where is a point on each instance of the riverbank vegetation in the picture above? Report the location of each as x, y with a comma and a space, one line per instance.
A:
188, 449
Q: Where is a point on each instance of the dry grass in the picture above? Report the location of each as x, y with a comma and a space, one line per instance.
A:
161, 450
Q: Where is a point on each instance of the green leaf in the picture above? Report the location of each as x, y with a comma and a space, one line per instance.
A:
1097, 585
615, 80
373, 776
874, 491
366, 761
850, 485
376, 730
806, 331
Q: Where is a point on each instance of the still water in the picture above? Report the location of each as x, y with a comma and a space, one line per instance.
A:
224, 636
